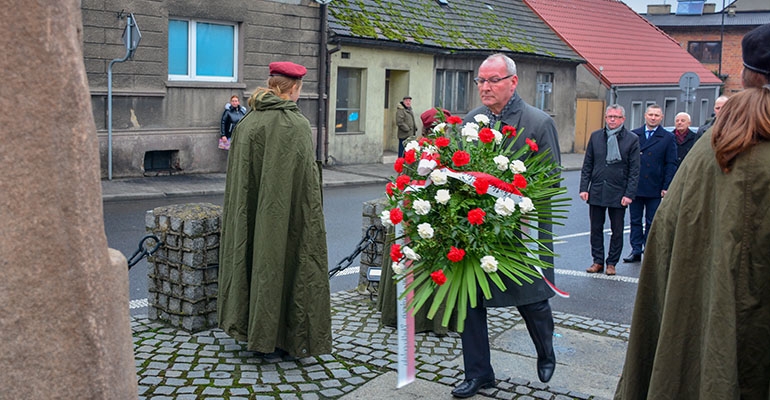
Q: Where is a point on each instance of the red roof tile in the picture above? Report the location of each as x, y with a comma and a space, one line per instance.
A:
610, 35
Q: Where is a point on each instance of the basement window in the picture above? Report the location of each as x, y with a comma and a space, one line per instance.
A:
160, 161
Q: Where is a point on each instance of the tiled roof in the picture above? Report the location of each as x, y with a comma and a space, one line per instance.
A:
711, 20
612, 38
461, 25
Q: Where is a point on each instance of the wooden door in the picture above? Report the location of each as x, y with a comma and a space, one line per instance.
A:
589, 117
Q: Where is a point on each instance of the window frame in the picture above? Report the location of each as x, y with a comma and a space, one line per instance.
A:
192, 75
544, 95
701, 47
337, 109
458, 90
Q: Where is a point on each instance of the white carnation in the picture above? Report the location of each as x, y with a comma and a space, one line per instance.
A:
385, 218
505, 206
481, 119
412, 145
526, 205
498, 136
421, 207
442, 196
502, 162
438, 177
470, 132
440, 128
425, 230
398, 268
518, 167
488, 264
410, 254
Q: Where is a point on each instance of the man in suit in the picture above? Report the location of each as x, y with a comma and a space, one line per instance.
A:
685, 137
657, 165
496, 82
608, 183
718, 103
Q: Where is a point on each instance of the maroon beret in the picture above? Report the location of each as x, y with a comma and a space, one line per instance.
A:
429, 117
288, 69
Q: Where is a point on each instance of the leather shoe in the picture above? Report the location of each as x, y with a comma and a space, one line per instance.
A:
470, 387
545, 369
610, 269
594, 268
633, 258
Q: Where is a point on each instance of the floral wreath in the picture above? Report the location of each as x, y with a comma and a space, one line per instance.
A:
468, 207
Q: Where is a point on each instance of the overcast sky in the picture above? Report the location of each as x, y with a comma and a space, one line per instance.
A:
640, 6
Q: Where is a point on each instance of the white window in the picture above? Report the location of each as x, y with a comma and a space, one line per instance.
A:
348, 108
544, 90
202, 51
452, 88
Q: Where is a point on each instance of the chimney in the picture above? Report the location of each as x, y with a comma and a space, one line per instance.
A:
709, 8
657, 9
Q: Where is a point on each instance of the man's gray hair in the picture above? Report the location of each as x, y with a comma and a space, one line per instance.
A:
616, 107
510, 66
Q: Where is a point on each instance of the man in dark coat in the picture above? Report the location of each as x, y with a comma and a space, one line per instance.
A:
405, 123
718, 103
497, 81
608, 183
657, 166
685, 137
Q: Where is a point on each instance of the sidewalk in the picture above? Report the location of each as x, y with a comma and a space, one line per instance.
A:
172, 364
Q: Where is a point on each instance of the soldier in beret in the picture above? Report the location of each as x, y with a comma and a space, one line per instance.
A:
702, 310
273, 272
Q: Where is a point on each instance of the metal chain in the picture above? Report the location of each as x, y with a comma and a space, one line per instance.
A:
371, 234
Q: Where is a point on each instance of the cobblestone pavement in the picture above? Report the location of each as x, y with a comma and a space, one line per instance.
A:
173, 364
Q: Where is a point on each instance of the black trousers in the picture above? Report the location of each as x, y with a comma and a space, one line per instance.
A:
475, 337
596, 214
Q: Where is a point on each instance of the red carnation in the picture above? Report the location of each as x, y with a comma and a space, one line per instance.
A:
396, 216
532, 144
486, 135
402, 181
509, 131
442, 141
438, 277
410, 156
455, 254
395, 252
476, 216
399, 164
520, 181
389, 188
424, 140
461, 158
481, 185
454, 120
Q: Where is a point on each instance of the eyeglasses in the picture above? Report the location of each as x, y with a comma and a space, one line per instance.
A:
492, 81
614, 117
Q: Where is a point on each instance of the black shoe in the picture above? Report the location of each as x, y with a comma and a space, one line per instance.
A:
545, 368
470, 387
633, 257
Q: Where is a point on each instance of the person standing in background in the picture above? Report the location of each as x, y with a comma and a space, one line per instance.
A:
608, 183
233, 113
718, 103
405, 123
685, 137
657, 166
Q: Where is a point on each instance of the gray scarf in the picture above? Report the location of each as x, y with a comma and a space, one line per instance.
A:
613, 152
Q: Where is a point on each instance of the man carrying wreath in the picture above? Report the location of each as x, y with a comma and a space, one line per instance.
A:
496, 82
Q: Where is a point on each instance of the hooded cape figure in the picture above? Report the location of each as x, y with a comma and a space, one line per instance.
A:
273, 271
702, 313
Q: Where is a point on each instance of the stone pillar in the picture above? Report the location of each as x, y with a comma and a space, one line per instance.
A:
65, 328
372, 255
182, 288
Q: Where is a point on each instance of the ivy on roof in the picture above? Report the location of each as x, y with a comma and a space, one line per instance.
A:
426, 23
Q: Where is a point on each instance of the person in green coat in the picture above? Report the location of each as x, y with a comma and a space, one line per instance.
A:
273, 271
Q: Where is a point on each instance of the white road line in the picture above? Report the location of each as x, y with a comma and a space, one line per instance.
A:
626, 229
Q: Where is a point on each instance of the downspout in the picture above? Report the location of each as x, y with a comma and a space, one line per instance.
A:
323, 89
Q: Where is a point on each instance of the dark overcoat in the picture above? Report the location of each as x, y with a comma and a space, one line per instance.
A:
533, 123
657, 162
702, 311
273, 267
605, 183
683, 148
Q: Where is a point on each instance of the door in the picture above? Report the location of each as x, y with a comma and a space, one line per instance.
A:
589, 117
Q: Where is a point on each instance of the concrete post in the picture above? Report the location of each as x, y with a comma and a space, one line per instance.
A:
182, 287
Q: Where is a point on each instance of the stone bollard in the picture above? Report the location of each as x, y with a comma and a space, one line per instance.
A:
182, 287
372, 255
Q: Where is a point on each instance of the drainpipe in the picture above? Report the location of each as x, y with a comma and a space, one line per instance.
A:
129, 51
323, 88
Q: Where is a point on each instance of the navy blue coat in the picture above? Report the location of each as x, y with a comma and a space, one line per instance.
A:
657, 161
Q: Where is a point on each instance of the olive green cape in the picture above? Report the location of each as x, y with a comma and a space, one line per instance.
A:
273, 272
702, 315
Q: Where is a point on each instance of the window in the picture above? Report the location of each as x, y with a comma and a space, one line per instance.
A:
705, 52
348, 109
669, 111
637, 115
544, 91
452, 88
705, 113
202, 51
